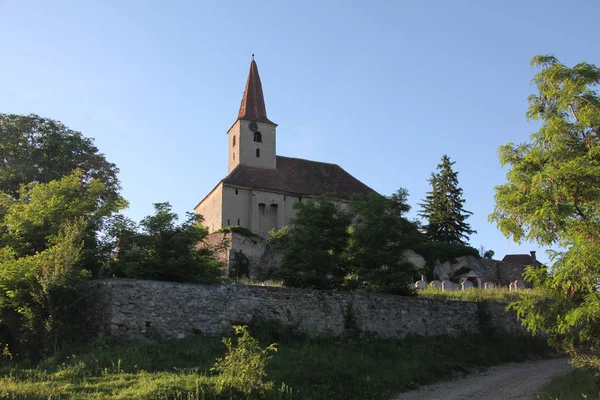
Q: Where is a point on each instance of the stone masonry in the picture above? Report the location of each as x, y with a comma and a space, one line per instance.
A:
139, 309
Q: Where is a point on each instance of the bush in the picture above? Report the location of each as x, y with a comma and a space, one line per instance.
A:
279, 237
164, 250
238, 229
41, 291
240, 267
245, 362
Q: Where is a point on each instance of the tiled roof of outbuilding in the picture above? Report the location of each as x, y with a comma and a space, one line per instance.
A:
521, 259
299, 176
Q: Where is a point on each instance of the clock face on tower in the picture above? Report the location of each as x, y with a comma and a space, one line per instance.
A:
253, 126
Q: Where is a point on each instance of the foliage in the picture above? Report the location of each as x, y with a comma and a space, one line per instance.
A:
41, 150
279, 237
479, 295
238, 229
579, 384
315, 255
552, 196
379, 237
240, 267
316, 369
443, 209
163, 250
40, 209
245, 362
43, 290
489, 254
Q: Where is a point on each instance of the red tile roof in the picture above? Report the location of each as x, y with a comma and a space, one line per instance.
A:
301, 177
253, 101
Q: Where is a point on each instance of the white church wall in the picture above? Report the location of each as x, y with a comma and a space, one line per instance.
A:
237, 203
211, 208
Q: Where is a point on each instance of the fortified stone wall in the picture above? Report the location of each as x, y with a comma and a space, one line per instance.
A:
138, 309
230, 242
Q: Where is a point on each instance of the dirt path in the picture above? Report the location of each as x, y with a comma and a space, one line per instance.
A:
507, 381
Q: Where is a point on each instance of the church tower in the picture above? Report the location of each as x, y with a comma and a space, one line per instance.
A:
252, 136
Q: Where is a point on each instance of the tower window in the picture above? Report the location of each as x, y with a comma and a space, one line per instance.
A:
257, 152
238, 222
257, 137
234, 156
228, 223
234, 141
236, 191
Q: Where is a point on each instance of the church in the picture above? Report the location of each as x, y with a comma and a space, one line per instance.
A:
261, 187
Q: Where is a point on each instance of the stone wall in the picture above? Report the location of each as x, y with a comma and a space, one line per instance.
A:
230, 242
138, 309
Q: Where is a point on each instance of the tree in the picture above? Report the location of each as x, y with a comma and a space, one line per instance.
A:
379, 238
35, 216
552, 197
39, 150
315, 254
443, 207
164, 250
42, 291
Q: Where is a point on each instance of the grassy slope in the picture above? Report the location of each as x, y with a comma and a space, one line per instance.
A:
478, 295
577, 385
315, 369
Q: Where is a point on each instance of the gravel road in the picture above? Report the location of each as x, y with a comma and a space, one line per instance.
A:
507, 381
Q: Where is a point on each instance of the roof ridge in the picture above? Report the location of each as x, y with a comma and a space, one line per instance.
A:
312, 161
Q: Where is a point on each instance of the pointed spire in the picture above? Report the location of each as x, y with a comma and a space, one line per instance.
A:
253, 101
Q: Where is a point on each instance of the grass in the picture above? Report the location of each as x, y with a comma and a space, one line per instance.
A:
314, 369
479, 295
577, 385
257, 282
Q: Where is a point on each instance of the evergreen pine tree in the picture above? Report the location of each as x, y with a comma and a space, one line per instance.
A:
443, 209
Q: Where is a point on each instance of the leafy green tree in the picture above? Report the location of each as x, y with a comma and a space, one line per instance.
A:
316, 245
379, 238
164, 250
443, 208
42, 290
39, 150
36, 215
552, 196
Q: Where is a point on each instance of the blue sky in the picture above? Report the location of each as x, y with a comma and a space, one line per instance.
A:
382, 88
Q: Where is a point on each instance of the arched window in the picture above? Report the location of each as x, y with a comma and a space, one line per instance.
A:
234, 156
234, 141
257, 137
257, 152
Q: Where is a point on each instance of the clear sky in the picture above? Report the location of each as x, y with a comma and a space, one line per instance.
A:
382, 88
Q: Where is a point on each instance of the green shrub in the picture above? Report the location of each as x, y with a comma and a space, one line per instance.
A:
244, 364
240, 267
238, 229
41, 292
279, 237
164, 250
